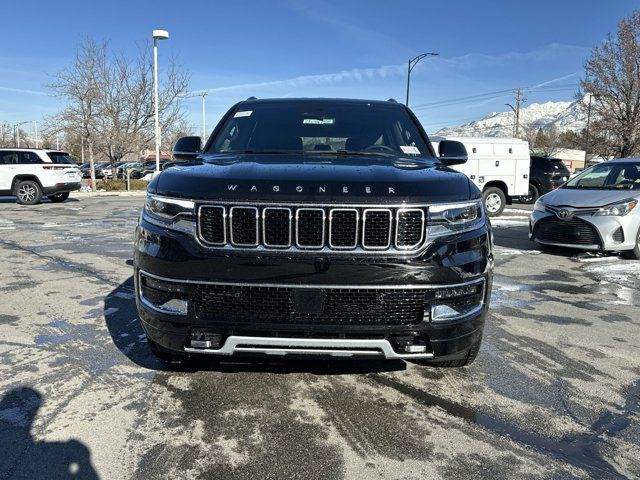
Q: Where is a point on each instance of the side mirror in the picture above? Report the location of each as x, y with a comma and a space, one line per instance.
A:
187, 148
452, 152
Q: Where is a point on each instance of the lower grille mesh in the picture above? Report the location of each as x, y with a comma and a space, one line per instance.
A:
229, 303
572, 232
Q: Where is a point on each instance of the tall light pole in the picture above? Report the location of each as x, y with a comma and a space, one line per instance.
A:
16, 130
204, 117
35, 128
586, 147
412, 63
157, 35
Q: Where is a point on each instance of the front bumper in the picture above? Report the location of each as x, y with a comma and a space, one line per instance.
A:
611, 233
173, 257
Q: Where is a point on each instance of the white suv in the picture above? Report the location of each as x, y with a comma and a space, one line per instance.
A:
30, 173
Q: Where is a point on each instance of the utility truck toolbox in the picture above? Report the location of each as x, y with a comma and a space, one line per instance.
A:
499, 167
315, 227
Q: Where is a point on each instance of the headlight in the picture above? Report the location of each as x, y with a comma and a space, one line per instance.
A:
539, 206
172, 213
617, 209
454, 218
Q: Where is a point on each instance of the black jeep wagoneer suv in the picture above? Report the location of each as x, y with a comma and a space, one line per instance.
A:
315, 227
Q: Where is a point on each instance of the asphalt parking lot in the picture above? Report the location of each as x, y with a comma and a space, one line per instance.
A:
554, 392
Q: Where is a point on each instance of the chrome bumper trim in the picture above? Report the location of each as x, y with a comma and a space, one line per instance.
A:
429, 286
278, 346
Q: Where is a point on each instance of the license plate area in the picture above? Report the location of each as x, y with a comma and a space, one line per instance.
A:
308, 300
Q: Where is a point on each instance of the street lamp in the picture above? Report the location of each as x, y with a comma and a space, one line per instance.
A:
157, 35
412, 63
204, 117
586, 147
16, 131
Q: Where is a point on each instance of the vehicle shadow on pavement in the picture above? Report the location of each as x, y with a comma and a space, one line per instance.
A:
44, 200
126, 332
25, 457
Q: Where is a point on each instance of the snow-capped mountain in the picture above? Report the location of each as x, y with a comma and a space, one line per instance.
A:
561, 115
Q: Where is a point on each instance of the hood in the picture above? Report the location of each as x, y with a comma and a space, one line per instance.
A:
585, 198
319, 178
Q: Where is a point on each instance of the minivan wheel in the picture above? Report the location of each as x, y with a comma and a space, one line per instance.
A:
635, 253
28, 192
494, 201
531, 197
58, 197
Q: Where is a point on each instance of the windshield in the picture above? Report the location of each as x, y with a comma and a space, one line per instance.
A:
320, 128
609, 176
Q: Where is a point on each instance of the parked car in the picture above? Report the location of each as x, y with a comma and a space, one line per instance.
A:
103, 169
315, 227
499, 167
31, 173
122, 169
144, 169
546, 174
597, 210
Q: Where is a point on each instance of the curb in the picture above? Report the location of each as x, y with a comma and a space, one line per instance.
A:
113, 193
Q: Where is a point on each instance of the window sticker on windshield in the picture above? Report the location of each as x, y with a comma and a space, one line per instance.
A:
318, 121
245, 113
410, 149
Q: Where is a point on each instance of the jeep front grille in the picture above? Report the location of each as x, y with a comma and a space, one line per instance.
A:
394, 229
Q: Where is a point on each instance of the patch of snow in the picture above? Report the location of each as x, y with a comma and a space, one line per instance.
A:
515, 251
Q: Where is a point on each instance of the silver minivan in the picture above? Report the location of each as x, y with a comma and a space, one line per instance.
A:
596, 210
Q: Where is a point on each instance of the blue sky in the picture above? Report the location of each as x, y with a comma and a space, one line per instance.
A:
327, 48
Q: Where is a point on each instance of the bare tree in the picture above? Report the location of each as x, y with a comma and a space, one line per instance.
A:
111, 101
612, 75
548, 142
82, 85
126, 122
545, 142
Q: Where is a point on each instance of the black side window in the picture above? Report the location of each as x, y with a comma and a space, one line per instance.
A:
29, 158
8, 158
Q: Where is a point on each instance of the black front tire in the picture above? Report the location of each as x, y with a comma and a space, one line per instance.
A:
28, 192
58, 197
494, 201
533, 195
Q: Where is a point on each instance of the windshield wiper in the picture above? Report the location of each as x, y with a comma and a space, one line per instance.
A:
269, 152
349, 152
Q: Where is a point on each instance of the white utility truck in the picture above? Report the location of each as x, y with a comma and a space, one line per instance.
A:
498, 166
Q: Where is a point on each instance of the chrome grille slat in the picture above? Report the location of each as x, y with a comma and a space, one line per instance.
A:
408, 236
322, 228
308, 219
343, 227
377, 233
241, 226
276, 227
